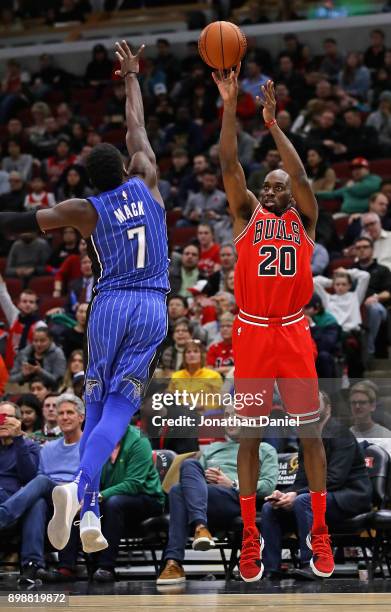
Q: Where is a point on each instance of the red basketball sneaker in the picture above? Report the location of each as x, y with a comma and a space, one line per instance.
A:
322, 562
250, 564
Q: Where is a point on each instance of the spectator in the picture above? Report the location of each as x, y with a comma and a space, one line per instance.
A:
27, 257
374, 55
68, 246
177, 175
320, 259
50, 429
285, 122
381, 238
58, 463
42, 358
185, 273
271, 162
349, 492
381, 121
378, 293
64, 118
80, 290
217, 280
325, 134
115, 110
49, 77
13, 200
70, 10
18, 161
39, 387
184, 133
207, 205
356, 193
100, 68
193, 182
209, 261
290, 77
4, 182
13, 89
73, 185
332, 60
362, 400
19, 457
21, 320
284, 100
166, 61
73, 339
75, 365
79, 137
220, 355
69, 269
322, 177
354, 78
246, 145
308, 118
254, 79
130, 486
379, 204
207, 498
58, 163
38, 196
172, 355
255, 14
385, 188
326, 334
356, 137
177, 309
40, 111
45, 141
31, 413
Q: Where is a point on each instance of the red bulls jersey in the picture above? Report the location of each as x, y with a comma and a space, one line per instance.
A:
273, 275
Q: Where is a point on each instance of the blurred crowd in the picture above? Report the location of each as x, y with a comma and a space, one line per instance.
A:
336, 109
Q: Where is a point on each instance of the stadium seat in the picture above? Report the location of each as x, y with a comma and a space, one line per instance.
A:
3, 263
172, 217
340, 262
50, 302
341, 225
382, 167
332, 206
342, 170
114, 137
42, 285
14, 286
179, 236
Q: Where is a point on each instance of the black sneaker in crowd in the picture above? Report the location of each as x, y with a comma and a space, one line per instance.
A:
30, 574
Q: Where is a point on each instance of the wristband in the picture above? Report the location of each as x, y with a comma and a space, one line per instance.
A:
129, 72
269, 124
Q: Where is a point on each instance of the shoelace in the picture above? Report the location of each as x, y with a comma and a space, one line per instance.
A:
251, 547
77, 523
321, 544
172, 569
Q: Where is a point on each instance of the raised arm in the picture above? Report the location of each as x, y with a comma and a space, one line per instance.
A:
301, 188
241, 201
143, 160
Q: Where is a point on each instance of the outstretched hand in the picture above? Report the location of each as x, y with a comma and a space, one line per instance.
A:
268, 101
227, 84
128, 61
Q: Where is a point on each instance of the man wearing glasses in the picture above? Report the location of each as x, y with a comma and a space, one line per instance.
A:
362, 399
372, 228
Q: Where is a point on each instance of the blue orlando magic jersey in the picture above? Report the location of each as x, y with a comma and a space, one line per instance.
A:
129, 243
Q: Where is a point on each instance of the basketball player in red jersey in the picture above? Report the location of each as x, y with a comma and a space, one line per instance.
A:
271, 340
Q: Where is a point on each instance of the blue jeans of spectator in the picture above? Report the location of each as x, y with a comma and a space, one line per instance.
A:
119, 511
277, 522
376, 313
193, 501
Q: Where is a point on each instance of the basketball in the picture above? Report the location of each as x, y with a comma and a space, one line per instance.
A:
222, 45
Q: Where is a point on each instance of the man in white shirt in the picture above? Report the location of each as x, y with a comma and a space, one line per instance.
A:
372, 227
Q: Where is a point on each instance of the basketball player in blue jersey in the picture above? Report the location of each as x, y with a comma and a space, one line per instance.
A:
125, 227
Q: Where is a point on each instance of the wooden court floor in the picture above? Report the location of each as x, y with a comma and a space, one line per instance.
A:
287, 602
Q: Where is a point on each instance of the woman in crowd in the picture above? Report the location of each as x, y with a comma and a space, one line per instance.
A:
322, 177
73, 185
74, 366
30, 408
354, 78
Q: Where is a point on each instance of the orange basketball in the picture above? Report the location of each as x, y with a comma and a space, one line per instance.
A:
222, 45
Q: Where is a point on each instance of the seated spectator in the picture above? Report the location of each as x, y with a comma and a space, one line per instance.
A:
38, 196
45, 141
308, 118
349, 492
332, 60
246, 145
69, 270
115, 109
4, 182
253, 79
378, 294
209, 261
362, 400
380, 120
49, 77
255, 14
184, 133
372, 228
73, 184
13, 200
321, 176
50, 429
208, 205
39, 387
320, 259
256, 178
355, 137
290, 77
325, 134
185, 273
73, 339
356, 193
68, 246
42, 357
326, 333
354, 78
19, 457
31, 413
79, 138
375, 54
177, 308
80, 290
379, 204
75, 365
100, 68
229, 283
284, 101
202, 107
224, 302
27, 257
285, 123
58, 463
40, 111
207, 498
172, 355
69, 10
21, 320
60, 161
177, 176
18, 161
220, 355
385, 189
217, 280
193, 182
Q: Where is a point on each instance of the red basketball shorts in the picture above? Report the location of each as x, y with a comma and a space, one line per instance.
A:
270, 350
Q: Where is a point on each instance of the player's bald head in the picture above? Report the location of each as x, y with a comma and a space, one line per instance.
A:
276, 193
280, 176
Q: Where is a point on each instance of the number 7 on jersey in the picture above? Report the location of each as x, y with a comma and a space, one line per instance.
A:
139, 232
